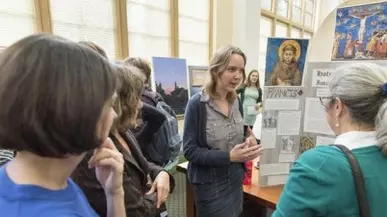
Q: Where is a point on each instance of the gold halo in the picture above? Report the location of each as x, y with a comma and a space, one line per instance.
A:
293, 43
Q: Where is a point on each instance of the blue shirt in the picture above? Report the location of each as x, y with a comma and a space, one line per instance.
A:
30, 200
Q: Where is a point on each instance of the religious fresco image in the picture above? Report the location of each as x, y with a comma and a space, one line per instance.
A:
361, 33
170, 76
285, 61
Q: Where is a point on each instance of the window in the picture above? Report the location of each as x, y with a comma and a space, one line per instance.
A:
17, 20
86, 20
296, 12
149, 28
309, 13
194, 18
267, 4
307, 35
265, 33
281, 30
283, 8
295, 33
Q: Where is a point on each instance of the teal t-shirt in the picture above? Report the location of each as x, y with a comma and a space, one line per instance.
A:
321, 184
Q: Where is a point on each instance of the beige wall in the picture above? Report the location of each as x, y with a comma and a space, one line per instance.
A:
322, 42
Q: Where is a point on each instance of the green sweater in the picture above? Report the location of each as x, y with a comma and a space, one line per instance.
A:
321, 184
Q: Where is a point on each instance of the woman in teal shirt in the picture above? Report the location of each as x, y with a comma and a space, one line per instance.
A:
321, 181
251, 97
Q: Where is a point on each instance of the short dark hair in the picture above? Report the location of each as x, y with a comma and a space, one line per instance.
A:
95, 47
141, 64
53, 92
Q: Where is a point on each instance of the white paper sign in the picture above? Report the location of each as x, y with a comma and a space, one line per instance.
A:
282, 104
287, 158
274, 169
277, 180
289, 122
268, 138
323, 140
315, 118
323, 92
321, 77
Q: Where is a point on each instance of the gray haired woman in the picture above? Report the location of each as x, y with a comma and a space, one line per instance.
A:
321, 182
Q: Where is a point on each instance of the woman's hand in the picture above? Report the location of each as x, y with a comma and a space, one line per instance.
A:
109, 166
161, 186
251, 140
243, 152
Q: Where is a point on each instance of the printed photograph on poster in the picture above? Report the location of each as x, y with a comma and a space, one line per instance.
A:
285, 61
361, 32
289, 123
322, 77
287, 145
170, 76
315, 118
269, 119
324, 140
197, 77
306, 143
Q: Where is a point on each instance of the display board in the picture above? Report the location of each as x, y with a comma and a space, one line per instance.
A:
198, 75
294, 121
170, 76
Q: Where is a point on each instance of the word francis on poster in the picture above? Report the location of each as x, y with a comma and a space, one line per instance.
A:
361, 32
170, 76
285, 61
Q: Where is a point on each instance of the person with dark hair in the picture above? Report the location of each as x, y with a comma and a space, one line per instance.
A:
146, 185
61, 94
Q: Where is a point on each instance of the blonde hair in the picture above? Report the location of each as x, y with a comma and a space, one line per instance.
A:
141, 64
218, 65
128, 97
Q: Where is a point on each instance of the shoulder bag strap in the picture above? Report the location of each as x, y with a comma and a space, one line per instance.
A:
364, 208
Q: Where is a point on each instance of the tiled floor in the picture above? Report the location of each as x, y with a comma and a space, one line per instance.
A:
176, 202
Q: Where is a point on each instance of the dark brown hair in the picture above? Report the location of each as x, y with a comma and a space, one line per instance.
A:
248, 81
95, 47
53, 92
129, 95
218, 65
141, 64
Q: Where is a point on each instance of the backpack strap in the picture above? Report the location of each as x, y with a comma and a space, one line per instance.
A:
364, 208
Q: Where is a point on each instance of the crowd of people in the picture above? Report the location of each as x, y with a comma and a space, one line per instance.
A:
77, 130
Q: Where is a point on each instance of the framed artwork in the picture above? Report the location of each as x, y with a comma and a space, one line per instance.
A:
285, 61
198, 76
170, 76
360, 33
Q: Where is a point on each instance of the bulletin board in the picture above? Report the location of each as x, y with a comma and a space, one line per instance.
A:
294, 120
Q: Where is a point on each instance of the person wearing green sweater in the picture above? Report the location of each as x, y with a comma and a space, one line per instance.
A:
321, 183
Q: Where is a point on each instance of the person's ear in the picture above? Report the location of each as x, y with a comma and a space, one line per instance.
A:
339, 107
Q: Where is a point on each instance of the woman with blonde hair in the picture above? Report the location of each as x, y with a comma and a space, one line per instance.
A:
325, 181
146, 185
214, 140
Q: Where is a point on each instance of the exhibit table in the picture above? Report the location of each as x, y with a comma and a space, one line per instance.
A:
266, 197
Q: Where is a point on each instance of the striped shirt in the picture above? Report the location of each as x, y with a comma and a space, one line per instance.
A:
5, 156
